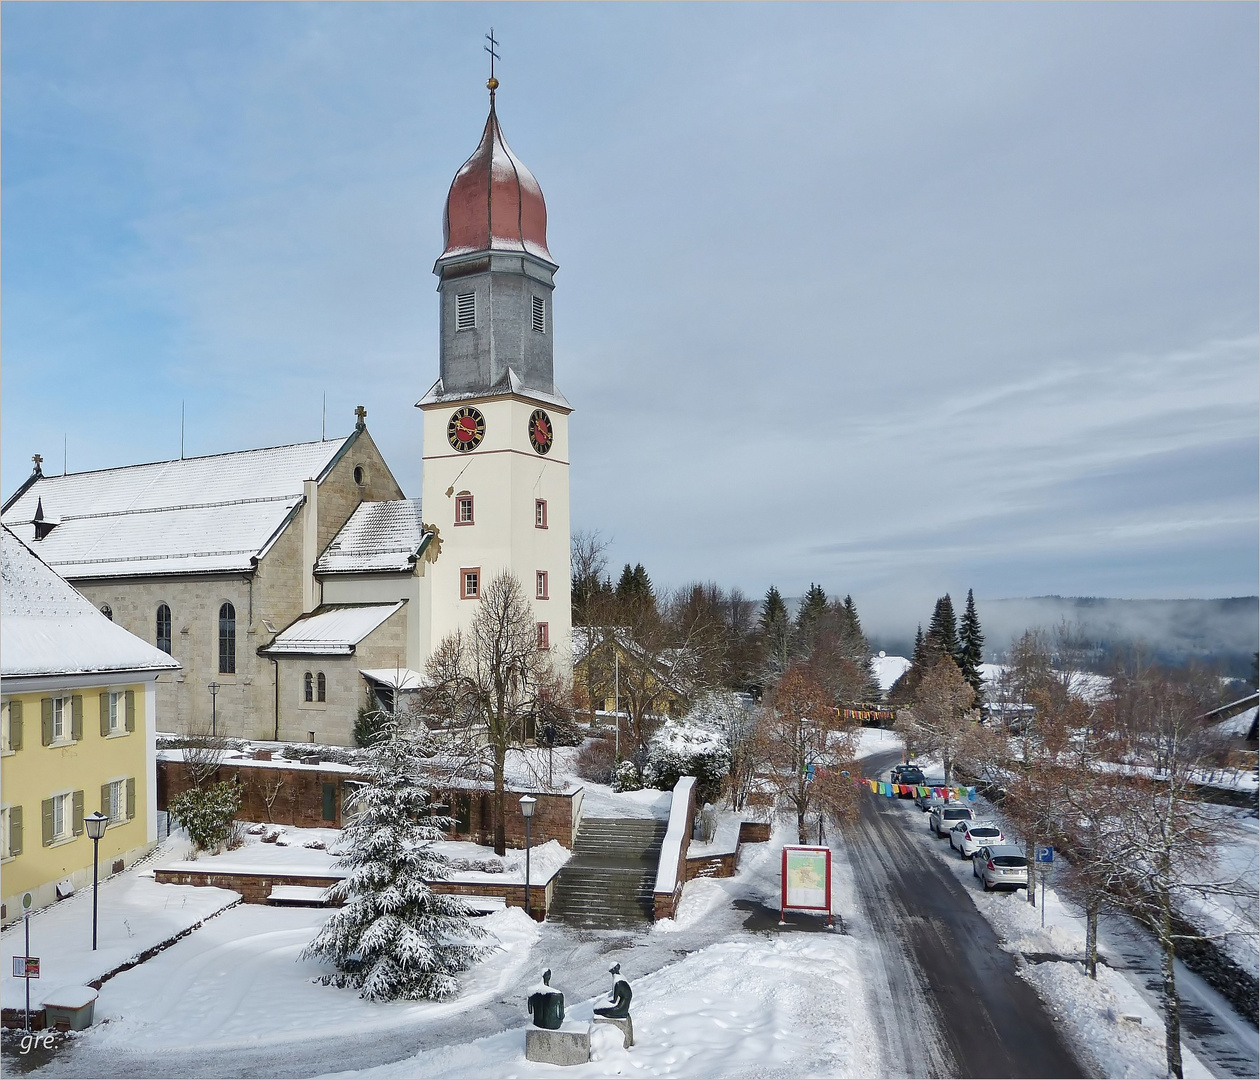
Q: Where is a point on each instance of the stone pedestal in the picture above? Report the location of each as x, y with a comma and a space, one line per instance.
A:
569, 1044
623, 1022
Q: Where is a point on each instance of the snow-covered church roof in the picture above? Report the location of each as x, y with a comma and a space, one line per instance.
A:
192, 515
379, 537
48, 628
331, 630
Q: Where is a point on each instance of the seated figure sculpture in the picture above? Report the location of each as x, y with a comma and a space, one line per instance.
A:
546, 1005
620, 997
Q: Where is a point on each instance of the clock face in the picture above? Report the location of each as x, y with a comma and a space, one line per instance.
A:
466, 429
540, 433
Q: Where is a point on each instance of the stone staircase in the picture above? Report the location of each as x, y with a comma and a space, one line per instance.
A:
607, 885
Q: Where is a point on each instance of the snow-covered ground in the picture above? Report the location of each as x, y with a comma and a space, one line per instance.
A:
238, 981
134, 913
600, 801
872, 740
788, 1005
291, 855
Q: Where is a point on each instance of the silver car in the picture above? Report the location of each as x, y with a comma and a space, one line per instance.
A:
947, 815
1001, 866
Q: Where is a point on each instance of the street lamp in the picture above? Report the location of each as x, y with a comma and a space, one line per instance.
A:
214, 691
96, 824
528, 802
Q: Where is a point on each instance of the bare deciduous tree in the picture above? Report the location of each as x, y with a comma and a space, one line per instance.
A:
495, 674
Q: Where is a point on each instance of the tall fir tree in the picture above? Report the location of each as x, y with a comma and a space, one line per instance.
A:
395, 937
773, 609
942, 632
971, 646
919, 657
778, 640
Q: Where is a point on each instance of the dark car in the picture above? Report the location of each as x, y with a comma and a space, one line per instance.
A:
910, 774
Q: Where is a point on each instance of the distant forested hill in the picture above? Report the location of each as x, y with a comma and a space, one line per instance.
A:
1224, 631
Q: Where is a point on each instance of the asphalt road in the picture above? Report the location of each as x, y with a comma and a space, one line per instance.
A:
952, 1003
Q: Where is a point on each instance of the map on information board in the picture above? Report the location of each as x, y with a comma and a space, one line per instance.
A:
807, 878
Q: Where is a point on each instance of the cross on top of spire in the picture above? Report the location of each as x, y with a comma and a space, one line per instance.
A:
360, 417
39, 460
493, 84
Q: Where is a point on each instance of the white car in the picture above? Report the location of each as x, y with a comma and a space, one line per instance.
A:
968, 837
947, 815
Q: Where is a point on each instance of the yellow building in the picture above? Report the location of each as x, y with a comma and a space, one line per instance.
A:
77, 735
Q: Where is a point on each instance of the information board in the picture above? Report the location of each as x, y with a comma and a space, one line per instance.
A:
806, 883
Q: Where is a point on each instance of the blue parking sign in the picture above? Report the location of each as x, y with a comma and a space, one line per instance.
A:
1045, 853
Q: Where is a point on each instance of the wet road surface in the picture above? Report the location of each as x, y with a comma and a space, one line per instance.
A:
948, 997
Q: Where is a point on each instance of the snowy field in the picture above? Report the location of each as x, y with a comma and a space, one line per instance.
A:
238, 981
134, 913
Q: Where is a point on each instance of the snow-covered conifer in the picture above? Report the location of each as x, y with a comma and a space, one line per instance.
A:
395, 937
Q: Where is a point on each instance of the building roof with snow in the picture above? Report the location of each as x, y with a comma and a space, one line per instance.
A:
192, 515
380, 537
331, 630
48, 628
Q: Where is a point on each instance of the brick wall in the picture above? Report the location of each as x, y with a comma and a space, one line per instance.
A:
254, 888
296, 794
553, 816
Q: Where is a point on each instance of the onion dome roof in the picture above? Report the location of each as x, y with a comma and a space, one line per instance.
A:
495, 204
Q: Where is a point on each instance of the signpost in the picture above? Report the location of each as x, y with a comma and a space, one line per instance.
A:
27, 967
806, 881
1044, 859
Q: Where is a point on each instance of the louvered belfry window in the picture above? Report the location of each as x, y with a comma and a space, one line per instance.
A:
465, 311
540, 315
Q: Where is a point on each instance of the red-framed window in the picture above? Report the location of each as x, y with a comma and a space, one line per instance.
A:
540, 513
540, 588
470, 583
544, 637
463, 509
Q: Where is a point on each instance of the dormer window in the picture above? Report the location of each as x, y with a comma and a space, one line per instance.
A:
465, 311
540, 315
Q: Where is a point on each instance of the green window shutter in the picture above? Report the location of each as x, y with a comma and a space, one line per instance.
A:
78, 813
76, 724
105, 799
46, 733
46, 806
330, 802
104, 715
131, 797
15, 725
15, 830
131, 710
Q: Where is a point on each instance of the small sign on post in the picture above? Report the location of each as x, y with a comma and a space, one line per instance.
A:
1045, 853
1044, 857
26, 967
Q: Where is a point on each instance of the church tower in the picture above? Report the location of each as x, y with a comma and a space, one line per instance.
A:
496, 440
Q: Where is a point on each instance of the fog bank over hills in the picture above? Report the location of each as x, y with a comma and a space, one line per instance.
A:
1223, 631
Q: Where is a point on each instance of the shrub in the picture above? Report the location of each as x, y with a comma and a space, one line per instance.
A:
368, 726
207, 813
595, 760
683, 747
626, 776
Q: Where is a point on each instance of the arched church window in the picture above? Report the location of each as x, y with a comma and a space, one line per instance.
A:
108, 612
227, 640
164, 628
308, 687
321, 687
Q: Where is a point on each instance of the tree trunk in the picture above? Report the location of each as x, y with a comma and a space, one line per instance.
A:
800, 823
1172, 1008
1091, 938
500, 807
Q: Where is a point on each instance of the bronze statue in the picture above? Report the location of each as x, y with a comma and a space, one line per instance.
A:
546, 1005
620, 997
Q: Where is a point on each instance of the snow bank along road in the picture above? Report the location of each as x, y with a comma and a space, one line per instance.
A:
952, 1003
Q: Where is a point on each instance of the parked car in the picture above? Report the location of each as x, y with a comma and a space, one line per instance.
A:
968, 837
947, 815
926, 802
909, 774
1001, 866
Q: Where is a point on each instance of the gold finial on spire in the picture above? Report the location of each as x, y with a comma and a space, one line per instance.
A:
492, 84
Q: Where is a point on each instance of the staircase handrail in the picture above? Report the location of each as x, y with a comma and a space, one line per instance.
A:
682, 809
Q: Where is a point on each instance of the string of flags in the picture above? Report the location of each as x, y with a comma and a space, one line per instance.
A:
881, 787
878, 715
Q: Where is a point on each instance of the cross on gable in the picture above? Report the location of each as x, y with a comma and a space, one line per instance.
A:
360, 417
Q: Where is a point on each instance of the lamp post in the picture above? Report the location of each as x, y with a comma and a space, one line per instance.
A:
527, 812
214, 692
96, 824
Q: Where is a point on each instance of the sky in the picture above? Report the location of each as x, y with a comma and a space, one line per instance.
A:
897, 298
